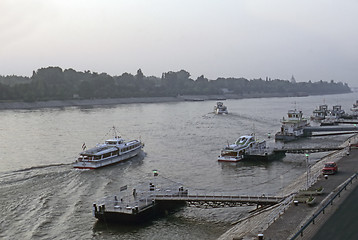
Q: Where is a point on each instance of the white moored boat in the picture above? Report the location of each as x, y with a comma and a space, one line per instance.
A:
112, 151
220, 108
292, 126
244, 146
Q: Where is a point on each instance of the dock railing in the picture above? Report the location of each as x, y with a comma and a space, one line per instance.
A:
279, 210
220, 197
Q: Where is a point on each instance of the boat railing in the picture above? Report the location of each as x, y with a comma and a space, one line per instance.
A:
219, 197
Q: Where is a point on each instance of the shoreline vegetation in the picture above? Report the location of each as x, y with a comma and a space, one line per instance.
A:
55, 87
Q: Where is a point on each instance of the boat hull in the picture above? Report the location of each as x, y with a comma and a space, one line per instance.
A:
127, 218
229, 159
285, 138
221, 112
106, 162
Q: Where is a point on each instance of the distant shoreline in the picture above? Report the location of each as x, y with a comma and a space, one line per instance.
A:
114, 101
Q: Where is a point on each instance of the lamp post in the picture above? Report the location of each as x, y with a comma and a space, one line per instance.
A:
307, 155
281, 177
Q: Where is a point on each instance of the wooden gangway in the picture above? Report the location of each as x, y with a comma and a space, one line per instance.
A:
259, 200
307, 150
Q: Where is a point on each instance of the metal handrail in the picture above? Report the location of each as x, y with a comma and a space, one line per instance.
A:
344, 186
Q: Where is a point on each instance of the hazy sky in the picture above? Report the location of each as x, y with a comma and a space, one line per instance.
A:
312, 40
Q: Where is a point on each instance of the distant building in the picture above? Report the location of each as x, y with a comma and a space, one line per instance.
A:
293, 80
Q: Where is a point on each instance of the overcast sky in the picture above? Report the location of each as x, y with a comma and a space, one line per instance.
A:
312, 40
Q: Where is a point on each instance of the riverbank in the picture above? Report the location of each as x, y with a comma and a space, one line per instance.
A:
284, 220
114, 101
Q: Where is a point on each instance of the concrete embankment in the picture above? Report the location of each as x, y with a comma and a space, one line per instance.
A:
284, 220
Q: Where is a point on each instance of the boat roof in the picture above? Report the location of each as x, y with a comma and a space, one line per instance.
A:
246, 136
104, 148
99, 150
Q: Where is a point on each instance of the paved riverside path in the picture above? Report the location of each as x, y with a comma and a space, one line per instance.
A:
343, 223
296, 216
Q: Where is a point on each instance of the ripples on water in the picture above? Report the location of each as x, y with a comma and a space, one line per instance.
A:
42, 196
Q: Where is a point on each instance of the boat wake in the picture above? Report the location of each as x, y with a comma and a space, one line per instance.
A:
42, 166
43, 201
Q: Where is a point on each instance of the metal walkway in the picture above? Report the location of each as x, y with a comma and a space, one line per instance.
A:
307, 150
330, 129
263, 200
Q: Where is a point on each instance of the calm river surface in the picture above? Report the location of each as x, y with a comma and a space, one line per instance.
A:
43, 197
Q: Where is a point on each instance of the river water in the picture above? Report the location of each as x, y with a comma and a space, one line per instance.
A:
43, 197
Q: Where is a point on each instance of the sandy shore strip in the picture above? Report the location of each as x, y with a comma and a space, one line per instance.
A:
113, 101
83, 102
251, 226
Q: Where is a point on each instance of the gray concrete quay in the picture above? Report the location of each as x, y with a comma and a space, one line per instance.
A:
297, 215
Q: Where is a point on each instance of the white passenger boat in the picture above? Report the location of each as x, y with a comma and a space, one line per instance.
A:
220, 108
112, 151
244, 146
292, 127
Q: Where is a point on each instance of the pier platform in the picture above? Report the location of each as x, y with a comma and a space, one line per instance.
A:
148, 203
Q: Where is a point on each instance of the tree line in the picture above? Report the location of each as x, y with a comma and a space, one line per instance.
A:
53, 83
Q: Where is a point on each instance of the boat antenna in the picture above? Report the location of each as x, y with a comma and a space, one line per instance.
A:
295, 105
115, 132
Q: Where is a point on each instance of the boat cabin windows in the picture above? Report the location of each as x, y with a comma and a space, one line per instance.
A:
130, 147
114, 142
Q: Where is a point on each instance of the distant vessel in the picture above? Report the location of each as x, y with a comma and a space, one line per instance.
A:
112, 151
220, 108
292, 127
244, 147
333, 116
320, 113
354, 109
337, 111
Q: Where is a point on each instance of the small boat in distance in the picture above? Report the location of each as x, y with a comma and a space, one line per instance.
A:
220, 108
243, 147
354, 109
112, 151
